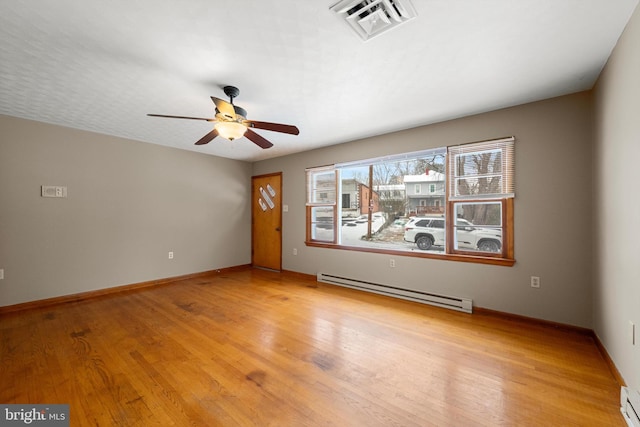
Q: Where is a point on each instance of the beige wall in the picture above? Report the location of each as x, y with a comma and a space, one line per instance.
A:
128, 204
617, 203
553, 219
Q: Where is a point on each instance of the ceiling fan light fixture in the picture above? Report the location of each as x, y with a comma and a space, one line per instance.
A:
230, 130
231, 122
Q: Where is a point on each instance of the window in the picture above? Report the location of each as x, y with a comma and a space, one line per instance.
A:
321, 205
465, 212
346, 199
481, 191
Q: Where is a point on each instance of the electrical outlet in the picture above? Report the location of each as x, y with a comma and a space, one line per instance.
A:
170, 255
1, 273
295, 251
392, 263
535, 282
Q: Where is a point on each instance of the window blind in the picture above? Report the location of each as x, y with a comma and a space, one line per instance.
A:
481, 170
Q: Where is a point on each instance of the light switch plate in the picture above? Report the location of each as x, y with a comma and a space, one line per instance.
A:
53, 191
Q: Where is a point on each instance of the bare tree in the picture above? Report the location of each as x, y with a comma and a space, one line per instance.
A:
484, 171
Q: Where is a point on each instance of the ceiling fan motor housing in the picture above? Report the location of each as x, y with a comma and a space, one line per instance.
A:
240, 112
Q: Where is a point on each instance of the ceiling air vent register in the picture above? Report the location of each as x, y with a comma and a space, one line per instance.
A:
370, 18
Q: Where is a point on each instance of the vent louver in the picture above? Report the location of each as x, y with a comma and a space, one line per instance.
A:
370, 18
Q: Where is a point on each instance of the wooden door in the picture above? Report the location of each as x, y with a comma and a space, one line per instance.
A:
266, 221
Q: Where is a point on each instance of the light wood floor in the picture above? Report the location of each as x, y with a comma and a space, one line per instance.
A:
268, 349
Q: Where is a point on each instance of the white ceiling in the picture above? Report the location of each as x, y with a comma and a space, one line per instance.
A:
102, 66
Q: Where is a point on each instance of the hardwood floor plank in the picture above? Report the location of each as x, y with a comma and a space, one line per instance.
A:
259, 348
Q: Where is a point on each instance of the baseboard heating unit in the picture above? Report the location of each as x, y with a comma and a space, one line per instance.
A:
630, 406
445, 301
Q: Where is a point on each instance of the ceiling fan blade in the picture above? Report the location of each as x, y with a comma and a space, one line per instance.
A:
225, 108
181, 117
208, 137
275, 127
257, 139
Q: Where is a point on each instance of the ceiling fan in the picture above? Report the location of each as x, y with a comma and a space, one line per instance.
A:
231, 122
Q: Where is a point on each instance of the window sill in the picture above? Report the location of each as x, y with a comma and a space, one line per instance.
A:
476, 259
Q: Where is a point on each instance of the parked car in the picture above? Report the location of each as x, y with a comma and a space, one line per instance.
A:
426, 232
